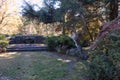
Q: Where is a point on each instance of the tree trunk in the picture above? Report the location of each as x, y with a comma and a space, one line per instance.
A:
113, 9
76, 39
63, 28
118, 7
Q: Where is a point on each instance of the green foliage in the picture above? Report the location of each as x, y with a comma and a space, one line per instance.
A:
2, 36
104, 61
3, 43
59, 41
65, 40
51, 42
44, 14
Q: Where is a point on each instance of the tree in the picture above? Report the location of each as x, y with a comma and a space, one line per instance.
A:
3, 12
75, 15
45, 14
9, 18
118, 8
113, 9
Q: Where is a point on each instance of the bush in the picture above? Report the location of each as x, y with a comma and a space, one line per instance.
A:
3, 43
51, 42
2, 37
85, 43
64, 40
104, 61
59, 42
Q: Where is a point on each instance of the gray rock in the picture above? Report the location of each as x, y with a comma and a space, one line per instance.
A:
75, 52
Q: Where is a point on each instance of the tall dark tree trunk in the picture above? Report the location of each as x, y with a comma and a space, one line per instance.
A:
63, 29
113, 9
118, 7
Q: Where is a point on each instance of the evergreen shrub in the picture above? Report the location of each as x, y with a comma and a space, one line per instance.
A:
61, 41
104, 61
3, 43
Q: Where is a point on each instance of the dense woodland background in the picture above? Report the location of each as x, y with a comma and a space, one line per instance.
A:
51, 19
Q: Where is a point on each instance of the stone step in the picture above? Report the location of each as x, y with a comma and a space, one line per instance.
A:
25, 47
28, 49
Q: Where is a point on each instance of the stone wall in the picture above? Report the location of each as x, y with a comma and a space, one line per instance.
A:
27, 39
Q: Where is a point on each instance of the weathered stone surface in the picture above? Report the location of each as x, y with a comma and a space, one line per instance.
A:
26, 39
26, 47
76, 52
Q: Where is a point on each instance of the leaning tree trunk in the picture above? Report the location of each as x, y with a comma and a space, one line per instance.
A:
76, 39
63, 29
76, 36
85, 27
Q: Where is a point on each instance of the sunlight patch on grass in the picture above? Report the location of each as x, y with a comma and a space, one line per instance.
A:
63, 60
8, 55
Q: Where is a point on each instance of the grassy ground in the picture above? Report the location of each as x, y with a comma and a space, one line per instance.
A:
40, 66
